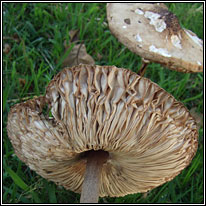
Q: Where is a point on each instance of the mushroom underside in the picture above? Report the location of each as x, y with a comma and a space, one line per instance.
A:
148, 135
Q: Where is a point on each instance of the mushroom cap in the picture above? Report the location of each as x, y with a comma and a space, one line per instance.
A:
150, 137
154, 33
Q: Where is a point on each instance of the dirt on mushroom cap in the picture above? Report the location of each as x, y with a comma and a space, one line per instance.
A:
150, 136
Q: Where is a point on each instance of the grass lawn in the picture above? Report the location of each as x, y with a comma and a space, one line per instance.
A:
33, 40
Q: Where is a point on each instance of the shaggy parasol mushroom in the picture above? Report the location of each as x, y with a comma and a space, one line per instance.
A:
110, 129
154, 33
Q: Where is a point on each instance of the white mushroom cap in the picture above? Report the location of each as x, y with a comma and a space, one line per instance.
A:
154, 33
150, 137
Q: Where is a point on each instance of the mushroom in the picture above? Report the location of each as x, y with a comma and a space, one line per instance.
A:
111, 132
154, 33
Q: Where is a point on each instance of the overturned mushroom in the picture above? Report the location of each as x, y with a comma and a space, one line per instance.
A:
154, 33
111, 130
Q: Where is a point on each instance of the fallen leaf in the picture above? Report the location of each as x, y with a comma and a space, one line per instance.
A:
74, 35
22, 82
99, 56
78, 55
7, 48
14, 37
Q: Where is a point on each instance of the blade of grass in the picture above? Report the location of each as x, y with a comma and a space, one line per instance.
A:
192, 191
159, 193
52, 193
64, 56
181, 86
34, 77
6, 94
192, 169
193, 98
171, 188
19, 182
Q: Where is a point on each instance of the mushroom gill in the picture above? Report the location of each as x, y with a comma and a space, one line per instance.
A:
149, 136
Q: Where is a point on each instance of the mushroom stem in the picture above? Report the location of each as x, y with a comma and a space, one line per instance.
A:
142, 70
90, 187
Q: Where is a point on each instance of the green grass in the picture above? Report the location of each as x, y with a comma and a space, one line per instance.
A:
36, 33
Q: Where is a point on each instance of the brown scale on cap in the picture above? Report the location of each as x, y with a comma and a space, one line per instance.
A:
171, 20
172, 30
